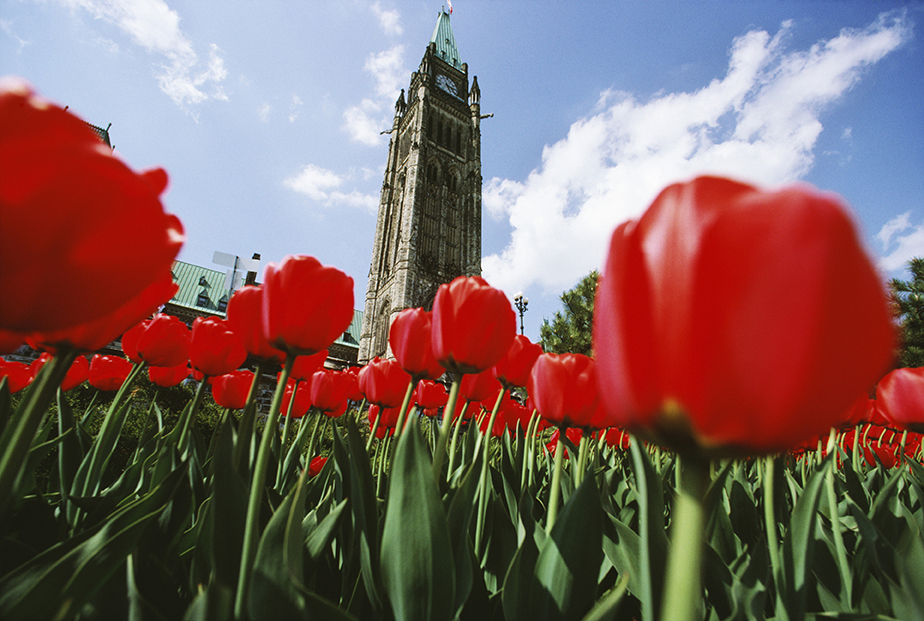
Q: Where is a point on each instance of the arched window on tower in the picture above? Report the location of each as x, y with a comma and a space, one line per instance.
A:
380, 342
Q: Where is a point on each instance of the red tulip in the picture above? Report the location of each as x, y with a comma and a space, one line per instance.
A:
302, 403
384, 383
165, 377
513, 369
162, 341
306, 305
479, 387
306, 366
245, 314
900, 397
351, 379
80, 231
471, 410
18, 374
411, 343
516, 414
96, 334
617, 438
473, 325
215, 349
232, 389
388, 419
564, 389
314, 468
734, 320
574, 434
329, 392
76, 373
108, 372
430, 395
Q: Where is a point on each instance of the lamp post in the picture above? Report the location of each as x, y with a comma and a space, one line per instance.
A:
521, 302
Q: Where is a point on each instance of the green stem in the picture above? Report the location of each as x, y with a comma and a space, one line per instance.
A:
375, 427
456, 427
20, 430
314, 432
187, 422
257, 484
776, 567
534, 425
555, 489
483, 481
841, 550
583, 449
683, 594
288, 423
440, 455
245, 429
402, 415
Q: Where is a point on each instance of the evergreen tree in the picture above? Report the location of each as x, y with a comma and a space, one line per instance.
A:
571, 329
908, 303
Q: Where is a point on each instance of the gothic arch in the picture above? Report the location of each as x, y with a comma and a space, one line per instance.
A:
382, 324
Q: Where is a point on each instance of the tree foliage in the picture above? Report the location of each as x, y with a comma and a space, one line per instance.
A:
571, 329
908, 304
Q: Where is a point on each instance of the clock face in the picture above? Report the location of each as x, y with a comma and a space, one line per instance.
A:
445, 83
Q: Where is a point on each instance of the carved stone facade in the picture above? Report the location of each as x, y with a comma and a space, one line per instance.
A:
429, 220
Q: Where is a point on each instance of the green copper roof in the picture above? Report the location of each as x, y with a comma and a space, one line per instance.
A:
200, 288
445, 41
351, 336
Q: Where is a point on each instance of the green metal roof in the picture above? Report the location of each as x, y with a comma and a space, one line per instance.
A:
200, 287
445, 41
351, 336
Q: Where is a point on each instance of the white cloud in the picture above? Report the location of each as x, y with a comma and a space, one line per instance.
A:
390, 21
7, 27
264, 112
901, 241
356, 199
364, 122
387, 69
294, 108
314, 182
152, 25
320, 185
758, 123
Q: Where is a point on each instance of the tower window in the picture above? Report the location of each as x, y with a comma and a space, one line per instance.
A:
203, 299
223, 304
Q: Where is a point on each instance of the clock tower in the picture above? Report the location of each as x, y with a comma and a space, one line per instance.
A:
429, 221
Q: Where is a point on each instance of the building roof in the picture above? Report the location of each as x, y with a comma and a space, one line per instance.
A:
445, 41
102, 133
201, 288
352, 334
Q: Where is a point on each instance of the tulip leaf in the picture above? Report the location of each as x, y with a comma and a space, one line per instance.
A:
798, 547
652, 556
319, 537
229, 509
277, 573
364, 506
459, 518
417, 565
67, 575
569, 561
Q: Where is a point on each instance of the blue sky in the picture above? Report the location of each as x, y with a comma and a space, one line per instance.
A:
267, 114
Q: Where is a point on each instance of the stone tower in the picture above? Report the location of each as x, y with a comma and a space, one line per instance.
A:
429, 221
